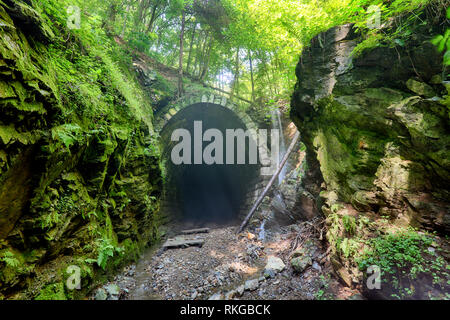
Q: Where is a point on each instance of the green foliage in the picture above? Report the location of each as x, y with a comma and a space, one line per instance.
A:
163, 85
13, 265
396, 250
95, 84
405, 254
442, 42
323, 283
106, 250
98, 96
142, 41
67, 134
107, 245
348, 246
79, 93
368, 43
10, 260
400, 31
349, 223
272, 32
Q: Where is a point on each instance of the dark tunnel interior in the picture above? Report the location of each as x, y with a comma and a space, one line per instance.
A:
207, 193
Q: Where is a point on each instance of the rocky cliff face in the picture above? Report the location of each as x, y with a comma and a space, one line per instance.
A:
79, 167
377, 133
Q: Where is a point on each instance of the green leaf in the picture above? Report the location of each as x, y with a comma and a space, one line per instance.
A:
447, 58
66, 133
400, 42
436, 40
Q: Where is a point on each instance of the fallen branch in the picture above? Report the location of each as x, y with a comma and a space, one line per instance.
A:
269, 185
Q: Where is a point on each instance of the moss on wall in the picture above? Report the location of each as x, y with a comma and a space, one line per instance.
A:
79, 167
379, 146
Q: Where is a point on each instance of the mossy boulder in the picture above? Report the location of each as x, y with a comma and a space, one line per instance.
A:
376, 131
377, 144
421, 88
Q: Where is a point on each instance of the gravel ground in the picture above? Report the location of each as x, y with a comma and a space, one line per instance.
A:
230, 266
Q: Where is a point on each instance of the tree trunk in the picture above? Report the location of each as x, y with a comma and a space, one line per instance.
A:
201, 63
208, 58
110, 21
198, 53
190, 48
180, 67
125, 21
235, 86
269, 185
140, 14
251, 74
152, 18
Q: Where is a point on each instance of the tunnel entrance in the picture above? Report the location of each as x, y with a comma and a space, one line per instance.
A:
201, 194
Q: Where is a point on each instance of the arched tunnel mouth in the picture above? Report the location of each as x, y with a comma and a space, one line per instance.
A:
205, 194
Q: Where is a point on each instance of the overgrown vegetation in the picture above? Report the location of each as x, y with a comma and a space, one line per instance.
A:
247, 47
404, 257
95, 126
74, 90
410, 261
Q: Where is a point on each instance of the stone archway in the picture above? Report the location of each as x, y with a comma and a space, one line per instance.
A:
178, 202
167, 113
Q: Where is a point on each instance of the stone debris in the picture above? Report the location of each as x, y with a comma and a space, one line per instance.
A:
108, 292
217, 296
230, 294
274, 264
101, 294
251, 285
226, 267
113, 289
240, 290
300, 264
316, 266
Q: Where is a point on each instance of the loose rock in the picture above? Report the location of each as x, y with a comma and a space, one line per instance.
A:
275, 264
251, 285
299, 264
101, 294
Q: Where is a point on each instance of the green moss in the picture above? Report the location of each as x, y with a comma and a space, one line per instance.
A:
163, 86
53, 291
97, 179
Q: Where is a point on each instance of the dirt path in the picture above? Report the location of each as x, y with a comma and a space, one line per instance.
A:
231, 266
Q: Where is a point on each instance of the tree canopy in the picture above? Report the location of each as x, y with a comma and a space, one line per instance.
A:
248, 47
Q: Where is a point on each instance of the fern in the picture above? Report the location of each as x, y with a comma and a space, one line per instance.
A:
67, 134
10, 260
349, 223
106, 250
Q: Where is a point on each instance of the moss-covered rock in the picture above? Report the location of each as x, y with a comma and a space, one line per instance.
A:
377, 138
80, 180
